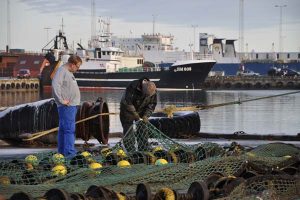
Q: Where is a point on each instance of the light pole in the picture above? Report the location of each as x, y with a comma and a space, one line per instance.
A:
47, 31
194, 27
280, 27
153, 23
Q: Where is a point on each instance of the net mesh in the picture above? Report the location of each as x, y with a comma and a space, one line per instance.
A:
146, 155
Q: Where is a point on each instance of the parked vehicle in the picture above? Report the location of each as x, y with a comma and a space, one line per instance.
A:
247, 73
282, 71
23, 73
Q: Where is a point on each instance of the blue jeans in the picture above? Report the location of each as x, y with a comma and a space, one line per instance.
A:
66, 131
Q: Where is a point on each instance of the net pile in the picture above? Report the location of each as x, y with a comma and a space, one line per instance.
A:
166, 167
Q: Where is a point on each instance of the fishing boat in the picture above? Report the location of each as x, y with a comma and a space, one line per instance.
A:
230, 61
107, 66
158, 48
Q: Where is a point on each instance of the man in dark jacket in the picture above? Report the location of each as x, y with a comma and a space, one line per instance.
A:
138, 103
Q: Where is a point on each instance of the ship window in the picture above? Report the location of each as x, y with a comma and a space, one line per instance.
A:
277, 56
36, 62
22, 62
288, 55
99, 54
267, 56
299, 55
103, 53
257, 56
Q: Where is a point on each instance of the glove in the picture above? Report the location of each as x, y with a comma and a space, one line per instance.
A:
145, 119
136, 116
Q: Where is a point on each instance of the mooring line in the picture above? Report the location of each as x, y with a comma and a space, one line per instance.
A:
203, 107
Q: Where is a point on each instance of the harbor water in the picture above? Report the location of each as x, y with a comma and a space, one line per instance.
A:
277, 115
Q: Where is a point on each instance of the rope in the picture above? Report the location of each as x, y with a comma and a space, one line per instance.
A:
169, 110
201, 107
42, 133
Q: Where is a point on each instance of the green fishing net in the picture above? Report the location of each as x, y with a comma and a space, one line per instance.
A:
146, 155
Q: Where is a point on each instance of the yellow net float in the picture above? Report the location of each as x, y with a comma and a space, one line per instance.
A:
121, 153
59, 170
123, 164
32, 159
58, 159
4, 180
105, 151
95, 165
86, 154
161, 161
157, 148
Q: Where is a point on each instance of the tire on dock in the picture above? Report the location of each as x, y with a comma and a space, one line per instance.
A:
180, 126
238, 85
258, 85
43, 115
227, 85
290, 85
247, 86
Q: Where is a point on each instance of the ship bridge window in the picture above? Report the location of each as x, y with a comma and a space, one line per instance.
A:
288, 55
139, 61
113, 53
256, 56
99, 54
22, 62
103, 53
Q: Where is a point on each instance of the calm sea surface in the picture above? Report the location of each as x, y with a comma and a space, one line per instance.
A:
278, 115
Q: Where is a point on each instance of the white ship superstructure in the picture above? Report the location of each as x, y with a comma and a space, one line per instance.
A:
156, 48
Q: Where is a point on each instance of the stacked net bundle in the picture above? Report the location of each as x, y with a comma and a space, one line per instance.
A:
146, 155
268, 187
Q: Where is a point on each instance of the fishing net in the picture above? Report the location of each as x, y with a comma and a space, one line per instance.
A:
147, 156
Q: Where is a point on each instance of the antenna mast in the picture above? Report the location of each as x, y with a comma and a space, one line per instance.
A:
62, 25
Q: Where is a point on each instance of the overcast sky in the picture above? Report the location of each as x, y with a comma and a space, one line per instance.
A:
29, 18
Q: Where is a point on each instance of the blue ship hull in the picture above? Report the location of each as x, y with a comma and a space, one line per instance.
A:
261, 68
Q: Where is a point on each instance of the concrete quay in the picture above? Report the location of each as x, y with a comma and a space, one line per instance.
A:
251, 82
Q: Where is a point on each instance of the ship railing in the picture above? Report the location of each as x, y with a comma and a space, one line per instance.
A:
140, 69
199, 56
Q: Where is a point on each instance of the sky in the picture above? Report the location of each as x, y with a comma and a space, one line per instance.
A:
34, 22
